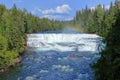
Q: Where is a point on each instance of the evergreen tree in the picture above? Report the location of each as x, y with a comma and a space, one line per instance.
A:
14, 25
108, 66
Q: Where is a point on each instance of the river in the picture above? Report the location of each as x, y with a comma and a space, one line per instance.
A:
57, 56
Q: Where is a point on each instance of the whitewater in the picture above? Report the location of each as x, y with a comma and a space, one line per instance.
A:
58, 56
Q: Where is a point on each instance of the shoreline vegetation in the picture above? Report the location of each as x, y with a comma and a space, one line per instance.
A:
16, 61
14, 25
105, 23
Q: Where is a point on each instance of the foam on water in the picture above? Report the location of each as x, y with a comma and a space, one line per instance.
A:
58, 56
82, 42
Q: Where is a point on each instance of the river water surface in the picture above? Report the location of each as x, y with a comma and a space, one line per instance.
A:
57, 56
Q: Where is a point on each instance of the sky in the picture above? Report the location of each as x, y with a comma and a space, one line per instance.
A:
55, 9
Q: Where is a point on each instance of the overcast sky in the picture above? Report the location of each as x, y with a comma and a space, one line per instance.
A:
54, 9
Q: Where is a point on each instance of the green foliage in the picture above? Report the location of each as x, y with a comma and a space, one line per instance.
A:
106, 23
6, 57
3, 43
108, 66
98, 20
14, 25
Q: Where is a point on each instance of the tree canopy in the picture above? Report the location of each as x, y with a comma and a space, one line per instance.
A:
106, 23
14, 25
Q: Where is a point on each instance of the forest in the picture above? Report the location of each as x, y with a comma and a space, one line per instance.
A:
14, 25
106, 23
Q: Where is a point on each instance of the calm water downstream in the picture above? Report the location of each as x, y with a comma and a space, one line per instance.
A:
57, 57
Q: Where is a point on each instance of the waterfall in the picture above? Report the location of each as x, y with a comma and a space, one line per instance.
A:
64, 41
58, 56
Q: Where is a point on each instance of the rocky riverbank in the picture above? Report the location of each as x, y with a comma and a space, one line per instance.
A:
16, 61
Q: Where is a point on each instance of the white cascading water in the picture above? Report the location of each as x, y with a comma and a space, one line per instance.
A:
65, 42
58, 56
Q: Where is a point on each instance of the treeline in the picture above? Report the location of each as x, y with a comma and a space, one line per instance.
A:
96, 20
108, 66
14, 25
106, 23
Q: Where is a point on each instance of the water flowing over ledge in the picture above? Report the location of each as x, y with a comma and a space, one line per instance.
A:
58, 56
65, 42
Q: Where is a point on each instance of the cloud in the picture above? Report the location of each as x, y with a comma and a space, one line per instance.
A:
63, 9
58, 17
59, 13
106, 7
36, 10
92, 8
52, 16
48, 11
